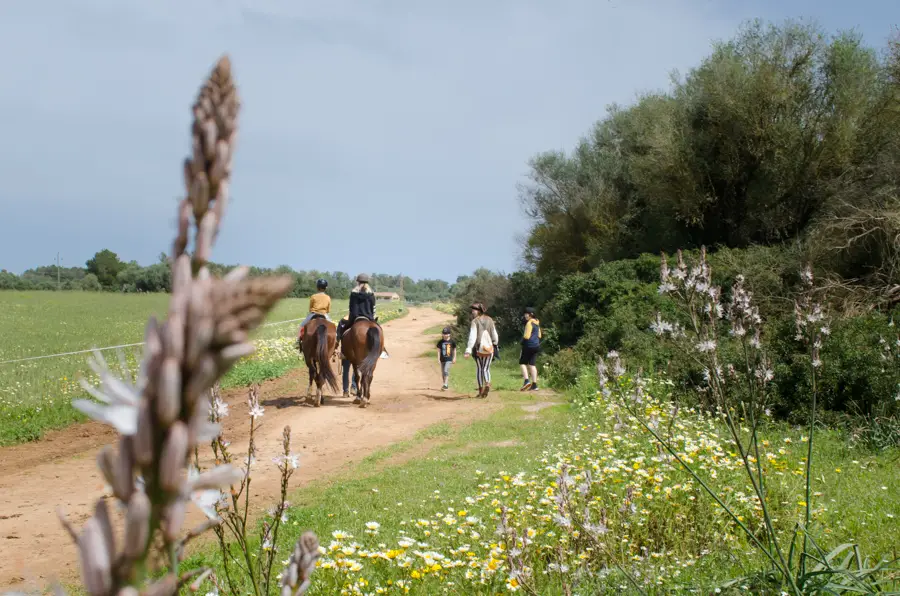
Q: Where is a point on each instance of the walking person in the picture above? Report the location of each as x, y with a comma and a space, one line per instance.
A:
482, 339
346, 371
531, 347
446, 356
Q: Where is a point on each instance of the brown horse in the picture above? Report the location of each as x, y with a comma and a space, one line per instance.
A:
362, 345
318, 343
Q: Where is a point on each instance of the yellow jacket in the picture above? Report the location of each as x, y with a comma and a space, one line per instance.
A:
320, 303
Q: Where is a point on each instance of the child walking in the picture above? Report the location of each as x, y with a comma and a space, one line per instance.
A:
446, 356
531, 347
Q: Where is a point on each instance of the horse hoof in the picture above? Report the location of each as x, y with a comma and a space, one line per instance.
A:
364, 404
317, 403
357, 400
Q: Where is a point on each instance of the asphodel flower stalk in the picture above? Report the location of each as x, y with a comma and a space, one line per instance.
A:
165, 414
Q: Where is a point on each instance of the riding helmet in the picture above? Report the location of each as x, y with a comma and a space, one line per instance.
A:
321, 283
362, 278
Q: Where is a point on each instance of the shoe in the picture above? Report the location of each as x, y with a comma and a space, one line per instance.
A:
534, 387
487, 389
444, 387
526, 385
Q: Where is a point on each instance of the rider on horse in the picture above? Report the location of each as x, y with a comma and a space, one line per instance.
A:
362, 305
319, 305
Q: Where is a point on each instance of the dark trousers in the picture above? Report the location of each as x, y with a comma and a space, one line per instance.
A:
347, 369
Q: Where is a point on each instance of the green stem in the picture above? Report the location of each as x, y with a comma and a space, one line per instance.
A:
809, 453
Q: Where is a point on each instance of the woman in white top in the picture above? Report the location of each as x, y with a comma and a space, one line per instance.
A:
482, 338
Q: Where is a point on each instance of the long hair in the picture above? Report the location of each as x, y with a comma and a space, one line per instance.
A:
363, 288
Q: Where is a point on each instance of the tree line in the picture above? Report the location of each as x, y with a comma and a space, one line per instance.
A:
105, 271
780, 148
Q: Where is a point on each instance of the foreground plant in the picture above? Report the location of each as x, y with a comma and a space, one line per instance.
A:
164, 415
242, 564
738, 391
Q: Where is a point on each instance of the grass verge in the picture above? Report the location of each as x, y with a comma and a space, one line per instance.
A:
421, 516
448, 465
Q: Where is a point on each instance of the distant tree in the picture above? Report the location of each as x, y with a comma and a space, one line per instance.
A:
105, 265
90, 283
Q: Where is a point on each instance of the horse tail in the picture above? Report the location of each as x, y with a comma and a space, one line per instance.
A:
324, 358
373, 351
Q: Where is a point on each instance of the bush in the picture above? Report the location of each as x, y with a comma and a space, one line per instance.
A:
858, 377
563, 368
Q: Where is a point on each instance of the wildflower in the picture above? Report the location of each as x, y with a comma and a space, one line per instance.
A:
706, 346
121, 398
205, 499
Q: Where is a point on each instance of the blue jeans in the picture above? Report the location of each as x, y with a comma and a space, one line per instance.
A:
345, 365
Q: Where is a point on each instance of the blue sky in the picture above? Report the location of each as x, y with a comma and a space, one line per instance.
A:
412, 119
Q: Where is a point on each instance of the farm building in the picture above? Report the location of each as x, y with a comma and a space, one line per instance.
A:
387, 296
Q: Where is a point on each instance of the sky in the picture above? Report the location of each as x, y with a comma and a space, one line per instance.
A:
375, 135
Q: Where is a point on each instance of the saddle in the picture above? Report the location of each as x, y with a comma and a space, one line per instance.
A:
348, 324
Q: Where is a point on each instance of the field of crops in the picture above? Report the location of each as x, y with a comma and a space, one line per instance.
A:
37, 383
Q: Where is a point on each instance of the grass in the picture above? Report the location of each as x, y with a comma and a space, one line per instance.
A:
35, 395
394, 494
436, 499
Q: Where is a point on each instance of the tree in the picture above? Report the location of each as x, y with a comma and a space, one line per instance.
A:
750, 147
105, 265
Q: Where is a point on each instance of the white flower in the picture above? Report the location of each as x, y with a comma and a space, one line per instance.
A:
220, 407
205, 499
706, 346
291, 460
256, 410
121, 397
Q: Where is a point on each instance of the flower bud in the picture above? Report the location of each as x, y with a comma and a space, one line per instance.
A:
173, 457
95, 559
173, 518
137, 525
143, 438
168, 399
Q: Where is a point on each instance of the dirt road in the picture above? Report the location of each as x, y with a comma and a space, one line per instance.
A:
60, 471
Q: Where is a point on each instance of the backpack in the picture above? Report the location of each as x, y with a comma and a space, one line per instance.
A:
486, 344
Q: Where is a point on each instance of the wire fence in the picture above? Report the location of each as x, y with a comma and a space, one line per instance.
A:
120, 346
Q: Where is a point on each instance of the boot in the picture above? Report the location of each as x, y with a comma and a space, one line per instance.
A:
487, 389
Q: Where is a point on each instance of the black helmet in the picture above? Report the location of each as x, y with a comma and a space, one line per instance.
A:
529, 311
321, 284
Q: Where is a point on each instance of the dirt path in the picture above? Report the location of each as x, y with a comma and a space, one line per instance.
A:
60, 471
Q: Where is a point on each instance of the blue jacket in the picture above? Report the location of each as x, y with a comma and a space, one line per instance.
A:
532, 336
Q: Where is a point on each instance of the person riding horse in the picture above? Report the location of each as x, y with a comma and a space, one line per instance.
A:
362, 306
319, 305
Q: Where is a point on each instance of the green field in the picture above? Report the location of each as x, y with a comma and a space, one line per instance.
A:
35, 394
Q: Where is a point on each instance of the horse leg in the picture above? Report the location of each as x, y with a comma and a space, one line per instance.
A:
365, 389
312, 376
358, 382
